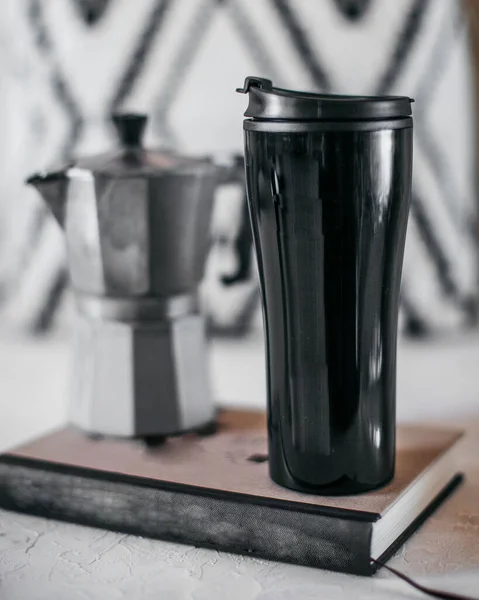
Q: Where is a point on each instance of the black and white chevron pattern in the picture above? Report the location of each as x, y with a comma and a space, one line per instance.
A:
65, 66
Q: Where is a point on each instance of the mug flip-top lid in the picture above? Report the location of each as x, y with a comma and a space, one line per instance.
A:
272, 103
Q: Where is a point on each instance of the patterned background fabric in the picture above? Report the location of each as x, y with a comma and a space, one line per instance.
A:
66, 65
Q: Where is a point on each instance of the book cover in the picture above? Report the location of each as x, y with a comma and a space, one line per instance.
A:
214, 491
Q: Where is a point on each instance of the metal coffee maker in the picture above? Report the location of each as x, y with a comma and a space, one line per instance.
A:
136, 223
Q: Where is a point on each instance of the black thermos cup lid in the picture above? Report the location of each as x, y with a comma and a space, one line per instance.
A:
272, 103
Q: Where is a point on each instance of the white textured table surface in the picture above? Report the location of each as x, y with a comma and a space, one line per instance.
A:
41, 559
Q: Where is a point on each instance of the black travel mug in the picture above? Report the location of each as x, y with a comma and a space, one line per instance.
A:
328, 182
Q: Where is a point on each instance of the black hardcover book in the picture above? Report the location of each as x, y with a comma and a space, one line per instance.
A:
215, 492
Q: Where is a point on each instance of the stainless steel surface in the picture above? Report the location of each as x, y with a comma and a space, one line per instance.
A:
140, 378
137, 234
136, 309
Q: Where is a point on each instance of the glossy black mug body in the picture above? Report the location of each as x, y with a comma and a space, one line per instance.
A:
329, 204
